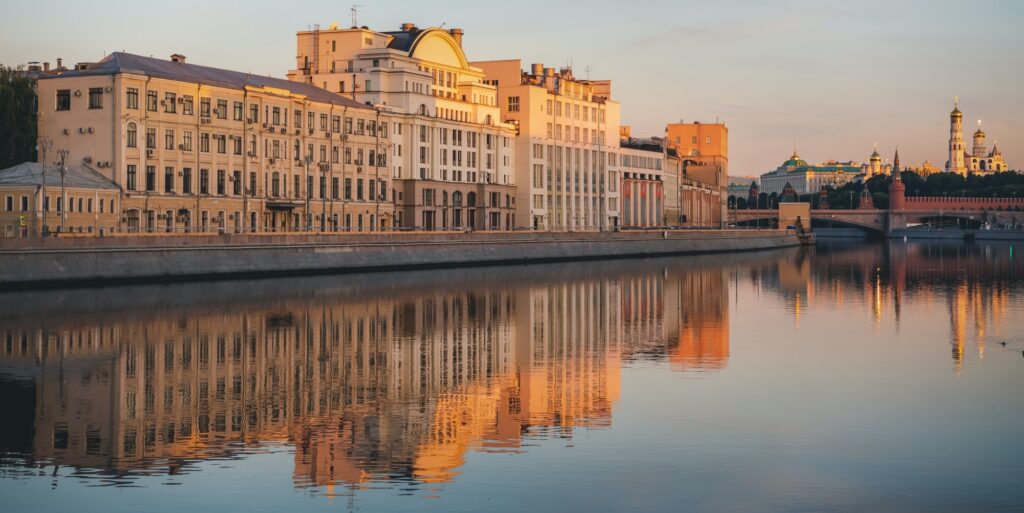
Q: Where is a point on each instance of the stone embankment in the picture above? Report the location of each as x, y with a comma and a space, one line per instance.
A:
27, 263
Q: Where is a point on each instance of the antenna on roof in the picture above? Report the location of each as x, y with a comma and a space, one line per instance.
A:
586, 69
355, 14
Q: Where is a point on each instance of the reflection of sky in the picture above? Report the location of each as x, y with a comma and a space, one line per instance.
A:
847, 408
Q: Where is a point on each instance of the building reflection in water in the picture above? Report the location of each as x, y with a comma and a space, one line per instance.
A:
972, 284
397, 377
373, 381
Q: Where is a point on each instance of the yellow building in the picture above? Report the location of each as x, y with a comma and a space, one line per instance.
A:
979, 159
568, 161
39, 198
198, 149
703, 150
453, 158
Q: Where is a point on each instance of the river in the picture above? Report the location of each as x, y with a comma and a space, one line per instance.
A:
846, 377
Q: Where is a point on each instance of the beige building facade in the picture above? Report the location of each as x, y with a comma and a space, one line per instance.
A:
567, 163
197, 149
454, 160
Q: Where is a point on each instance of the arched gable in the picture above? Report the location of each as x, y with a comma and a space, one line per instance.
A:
439, 46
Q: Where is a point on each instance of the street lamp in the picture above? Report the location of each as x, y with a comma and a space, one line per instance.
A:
309, 217
63, 154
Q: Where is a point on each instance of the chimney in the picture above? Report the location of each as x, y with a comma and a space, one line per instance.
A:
406, 27
46, 66
60, 63
179, 58
457, 35
537, 69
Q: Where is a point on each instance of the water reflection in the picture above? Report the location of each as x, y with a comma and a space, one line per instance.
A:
391, 377
395, 378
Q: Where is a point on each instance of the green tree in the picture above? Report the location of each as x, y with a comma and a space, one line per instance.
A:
17, 118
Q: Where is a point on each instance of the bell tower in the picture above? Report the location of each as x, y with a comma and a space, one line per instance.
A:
955, 164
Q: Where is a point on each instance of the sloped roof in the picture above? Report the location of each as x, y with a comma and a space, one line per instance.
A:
120, 62
31, 174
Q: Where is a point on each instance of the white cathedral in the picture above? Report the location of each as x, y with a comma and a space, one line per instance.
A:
979, 160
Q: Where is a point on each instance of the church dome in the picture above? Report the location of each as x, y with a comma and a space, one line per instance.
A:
979, 133
956, 113
876, 156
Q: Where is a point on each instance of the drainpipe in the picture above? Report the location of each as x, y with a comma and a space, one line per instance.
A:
245, 159
198, 140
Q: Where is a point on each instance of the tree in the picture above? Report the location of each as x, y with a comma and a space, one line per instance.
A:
17, 118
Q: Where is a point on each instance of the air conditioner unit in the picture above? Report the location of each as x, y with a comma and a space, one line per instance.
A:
271, 161
181, 146
252, 154
297, 131
81, 130
181, 173
108, 89
264, 125
91, 130
87, 160
163, 102
78, 92
66, 131
310, 131
248, 120
149, 153
271, 129
359, 169
181, 100
327, 135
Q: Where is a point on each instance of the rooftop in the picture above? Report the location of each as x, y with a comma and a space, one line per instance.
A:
31, 174
120, 62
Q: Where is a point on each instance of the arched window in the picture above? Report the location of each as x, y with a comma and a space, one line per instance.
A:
133, 135
456, 199
471, 199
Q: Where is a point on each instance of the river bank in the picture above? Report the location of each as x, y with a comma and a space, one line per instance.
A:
30, 263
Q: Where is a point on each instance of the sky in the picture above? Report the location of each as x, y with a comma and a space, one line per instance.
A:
828, 78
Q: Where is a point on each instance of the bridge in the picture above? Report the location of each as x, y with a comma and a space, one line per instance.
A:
904, 212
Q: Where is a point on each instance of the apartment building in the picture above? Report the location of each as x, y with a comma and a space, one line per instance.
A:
567, 169
453, 158
198, 149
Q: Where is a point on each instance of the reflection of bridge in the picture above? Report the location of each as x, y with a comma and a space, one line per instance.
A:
903, 212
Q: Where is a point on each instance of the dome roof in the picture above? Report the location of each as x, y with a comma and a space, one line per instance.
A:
875, 155
956, 112
978, 132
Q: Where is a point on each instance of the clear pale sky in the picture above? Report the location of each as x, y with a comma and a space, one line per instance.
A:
830, 77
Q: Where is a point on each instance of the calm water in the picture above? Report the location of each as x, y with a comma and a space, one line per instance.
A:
859, 378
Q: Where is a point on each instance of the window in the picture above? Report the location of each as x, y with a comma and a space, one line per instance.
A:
348, 188
707, 140
151, 101
359, 189
186, 141
334, 188
132, 136
186, 180
254, 113
237, 111
204, 181
151, 178
151, 138
170, 100
24, 203
204, 143
276, 118
221, 182
204, 107
168, 179
186, 105
222, 144
95, 97
238, 146
169, 139
63, 99
222, 109
10, 204
236, 183
131, 183
132, 98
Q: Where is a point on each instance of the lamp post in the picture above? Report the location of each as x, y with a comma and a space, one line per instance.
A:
63, 154
309, 217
